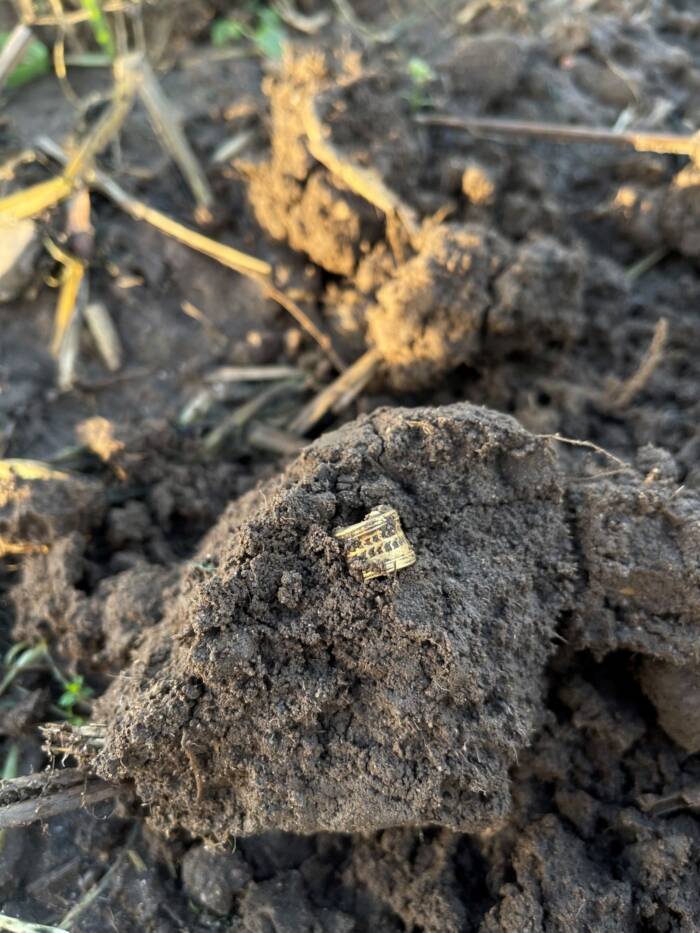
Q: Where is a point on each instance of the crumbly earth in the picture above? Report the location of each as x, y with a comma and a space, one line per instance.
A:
286, 693
468, 291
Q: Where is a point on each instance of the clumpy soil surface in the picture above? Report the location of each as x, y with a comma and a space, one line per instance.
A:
503, 737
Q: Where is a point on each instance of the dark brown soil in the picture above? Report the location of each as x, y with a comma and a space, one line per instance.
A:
502, 737
283, 675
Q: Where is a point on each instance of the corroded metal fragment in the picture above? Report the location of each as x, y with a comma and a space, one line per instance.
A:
377, 545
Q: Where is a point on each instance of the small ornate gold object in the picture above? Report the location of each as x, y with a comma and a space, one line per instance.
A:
377, 544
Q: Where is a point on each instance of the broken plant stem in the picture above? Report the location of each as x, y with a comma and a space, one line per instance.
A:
310, 25
172, 136
253, 373
226, 255
363, 181
575, 442
339, 393
17, 548
13, 50
93, 893
31, 201
640, 268
304, 320
660, 143
28, 202
70, 282
25, 812
29, 470
104, 333
256, 269
13, 925
126, 82
237, 420
273, 440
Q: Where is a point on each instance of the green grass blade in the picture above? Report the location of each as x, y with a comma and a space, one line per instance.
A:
34, 63
100, 26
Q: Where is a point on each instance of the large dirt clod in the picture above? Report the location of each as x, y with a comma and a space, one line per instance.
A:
283, 692
469, 290
430, 317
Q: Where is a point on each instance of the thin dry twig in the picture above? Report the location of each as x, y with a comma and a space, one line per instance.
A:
29, 202
339, 393
172, 136
70, 281
273, 440
69, 347
304, 320
241, 416
660, 143
126, 72
256, 269
640, 268
364, 182
17, 548
13, 50
253, 373
94, 892
575, 442
42, 796
383, 37
310, 25
651, 359
13, 925
104, 333
687, 798
226, 255
12, 468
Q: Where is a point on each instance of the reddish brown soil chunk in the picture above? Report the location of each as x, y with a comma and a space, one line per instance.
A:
294, 197
284, 692
318, 217
467, 289
430, 317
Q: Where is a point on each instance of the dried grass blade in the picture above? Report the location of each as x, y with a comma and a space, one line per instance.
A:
342, 391
29, 470
254, 268
13, 50
71, 280
125, 84
27, 203
104, 333
172, 136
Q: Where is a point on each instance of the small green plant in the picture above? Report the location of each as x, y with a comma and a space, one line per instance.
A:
100, 26
75, 693
267, 31
421, 75
226, 31
35, 63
